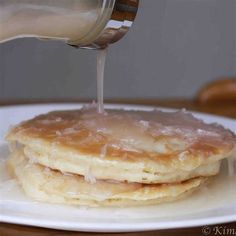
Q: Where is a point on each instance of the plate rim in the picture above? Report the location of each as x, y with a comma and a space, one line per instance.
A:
118, 227
116, 106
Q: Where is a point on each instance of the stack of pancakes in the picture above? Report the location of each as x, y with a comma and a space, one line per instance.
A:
118, 158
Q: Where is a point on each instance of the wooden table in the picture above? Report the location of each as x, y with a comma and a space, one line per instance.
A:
224, 109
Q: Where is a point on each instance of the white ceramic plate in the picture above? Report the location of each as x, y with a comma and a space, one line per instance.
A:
216, 204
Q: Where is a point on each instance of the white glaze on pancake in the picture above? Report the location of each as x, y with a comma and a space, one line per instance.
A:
135, 146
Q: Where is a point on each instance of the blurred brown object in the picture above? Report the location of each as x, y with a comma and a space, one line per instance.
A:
219, 91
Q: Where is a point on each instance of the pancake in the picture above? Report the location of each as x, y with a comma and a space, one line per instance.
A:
47, 185
133, 146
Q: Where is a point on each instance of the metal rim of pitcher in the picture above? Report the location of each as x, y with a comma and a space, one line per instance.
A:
121, 18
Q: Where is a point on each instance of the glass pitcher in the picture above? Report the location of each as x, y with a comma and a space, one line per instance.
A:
81, 23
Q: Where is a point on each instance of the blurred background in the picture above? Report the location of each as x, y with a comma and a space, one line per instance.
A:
173, 49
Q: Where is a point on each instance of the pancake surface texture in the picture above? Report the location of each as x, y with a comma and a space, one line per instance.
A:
117, 158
